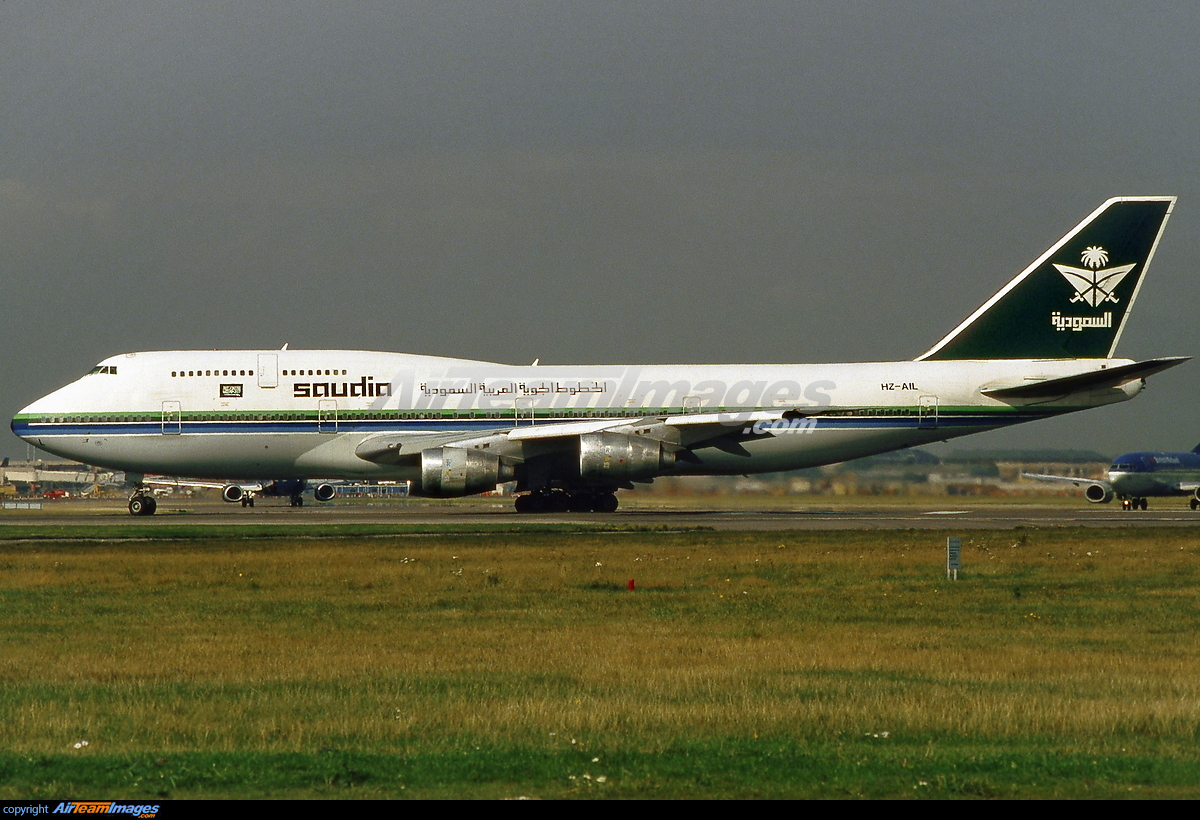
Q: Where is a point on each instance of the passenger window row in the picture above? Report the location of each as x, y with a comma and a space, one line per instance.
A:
186, 373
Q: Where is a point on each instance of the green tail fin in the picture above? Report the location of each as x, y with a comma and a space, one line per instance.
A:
1072, 303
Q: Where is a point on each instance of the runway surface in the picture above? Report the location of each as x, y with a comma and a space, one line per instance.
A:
487, 513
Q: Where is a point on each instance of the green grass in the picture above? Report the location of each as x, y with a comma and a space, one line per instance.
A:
447, 664
192, 531
731, 768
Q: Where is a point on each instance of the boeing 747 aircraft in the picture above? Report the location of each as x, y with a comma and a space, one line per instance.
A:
1135, 476
571, 436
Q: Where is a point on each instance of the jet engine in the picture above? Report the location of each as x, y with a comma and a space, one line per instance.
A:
232, 493
324, 492
615, 457
449, 472
1098, 494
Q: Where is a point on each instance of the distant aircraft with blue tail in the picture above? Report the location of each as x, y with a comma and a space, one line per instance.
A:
1134, 477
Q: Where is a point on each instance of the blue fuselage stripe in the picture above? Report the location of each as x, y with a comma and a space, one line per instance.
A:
26, 429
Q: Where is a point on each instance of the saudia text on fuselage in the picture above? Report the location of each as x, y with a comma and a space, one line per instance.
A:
1078, 323
366, 386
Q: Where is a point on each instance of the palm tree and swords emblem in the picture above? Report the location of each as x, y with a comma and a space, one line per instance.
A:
1094, 284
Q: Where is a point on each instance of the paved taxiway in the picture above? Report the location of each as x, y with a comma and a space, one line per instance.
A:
486, 513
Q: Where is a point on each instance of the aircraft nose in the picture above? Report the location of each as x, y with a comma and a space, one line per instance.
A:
19, 425
21, 422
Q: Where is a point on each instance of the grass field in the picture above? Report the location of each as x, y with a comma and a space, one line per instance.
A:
357, 663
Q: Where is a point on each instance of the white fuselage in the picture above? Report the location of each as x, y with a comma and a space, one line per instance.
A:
239, 414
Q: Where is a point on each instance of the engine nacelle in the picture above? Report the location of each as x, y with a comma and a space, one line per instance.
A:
1098, 494
615, 457
232, 493
1196, 495
450, 472
324, 492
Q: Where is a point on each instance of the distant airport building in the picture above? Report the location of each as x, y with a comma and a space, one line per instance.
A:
43, 474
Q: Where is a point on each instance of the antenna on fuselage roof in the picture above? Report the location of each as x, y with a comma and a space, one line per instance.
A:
285, 344
535, 362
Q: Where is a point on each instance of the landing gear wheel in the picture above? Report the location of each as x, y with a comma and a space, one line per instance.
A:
581, 502
297, 501
1126, 504
247, 501
1142, 503
543, 501
606, 503
142, 505
1194, 504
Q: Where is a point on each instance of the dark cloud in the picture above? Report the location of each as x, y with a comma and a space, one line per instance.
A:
632, 182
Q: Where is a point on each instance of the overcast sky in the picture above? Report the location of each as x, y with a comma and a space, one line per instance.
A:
590, 182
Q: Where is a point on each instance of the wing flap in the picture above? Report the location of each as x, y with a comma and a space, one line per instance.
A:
391, 448
570, 428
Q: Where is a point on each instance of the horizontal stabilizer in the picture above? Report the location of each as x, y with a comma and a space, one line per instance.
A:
1111, 377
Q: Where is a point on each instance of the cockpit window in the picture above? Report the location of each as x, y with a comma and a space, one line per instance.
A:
1121, 466
107, 368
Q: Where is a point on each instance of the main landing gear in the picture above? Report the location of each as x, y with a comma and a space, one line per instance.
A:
1138, 504
140, 503
553, 501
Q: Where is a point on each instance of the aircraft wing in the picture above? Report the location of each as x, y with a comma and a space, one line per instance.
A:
677, 432
170, 481
1062, 479
686, 430
1108, 377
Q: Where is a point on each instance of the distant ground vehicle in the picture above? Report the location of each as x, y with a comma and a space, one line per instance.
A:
56, 494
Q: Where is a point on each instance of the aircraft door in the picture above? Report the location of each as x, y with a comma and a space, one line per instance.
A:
172, 418
327, 416
523, 411
268, 370
928, 412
